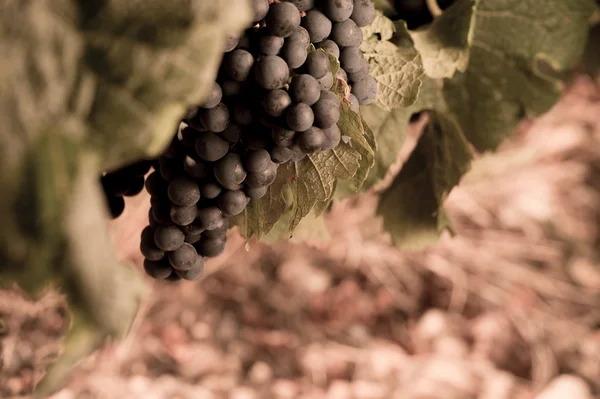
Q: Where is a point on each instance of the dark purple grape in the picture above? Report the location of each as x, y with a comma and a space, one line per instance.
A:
304, 89
302, 5
116, 206
276, 102
168, 238
269, 44
326, 111
213, 97
351, 59
232, 134
209, 217
183, 191
170, 168
147, 246
183, 215
229, 171
362, 73
326, 82
162, 213
299, 117
346, 34
363, 13
231, 88
210, 190
258, 161
255, 193
338, 10
317, 64
283, 19
136, 185
183, 258
262, 179
271, 72
280, 154
216, 119
237, 64
232, 202
317, 25
294, 53
260, 8
211, 147
193, 273
365, 90
282, 136
298, 153
196, 169
219, 231
332, 138
300, 35
211, 247
242, 115
159, 270
311, 140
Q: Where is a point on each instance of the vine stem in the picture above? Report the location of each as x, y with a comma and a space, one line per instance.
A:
434, 8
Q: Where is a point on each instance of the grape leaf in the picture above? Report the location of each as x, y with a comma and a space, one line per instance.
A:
397, 69
84, 87
412, 206
514, 46
444, 46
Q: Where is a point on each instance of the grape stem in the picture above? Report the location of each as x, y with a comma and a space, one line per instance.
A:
434, 8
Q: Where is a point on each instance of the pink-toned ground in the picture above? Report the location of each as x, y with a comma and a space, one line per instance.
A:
507, 309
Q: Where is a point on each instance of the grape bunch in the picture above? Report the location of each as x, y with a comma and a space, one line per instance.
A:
127, 181
270, 104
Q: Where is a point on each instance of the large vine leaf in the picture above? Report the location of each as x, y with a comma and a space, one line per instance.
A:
397, 69
444, 46
518, 48
412, 206
87, 86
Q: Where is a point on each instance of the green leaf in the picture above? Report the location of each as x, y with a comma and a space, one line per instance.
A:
397, 69
518, 48
85, 87
444, 45
412, 206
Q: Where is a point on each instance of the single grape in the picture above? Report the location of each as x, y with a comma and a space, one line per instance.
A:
260, 8
302, 5
280, 154
294, 53
351, 59
209, 217
283, 19
151, 221
192, 238
326, 82
193, 228
210, 190
184, 257
338, 10
311, 140
219, 231
346, 34
231, 88
271, 72
229, 170
304, 89
211, 147
232, 203
258, 161
183, 215
299, 117
170, 168
193, 273
211, 247
147, 246
213, 97
232, 134
282, 136
269, 44
330, 47
183, 191
363, 13
317, 64
159, 270
245, 41
326, 111
317, 25
276, 102
354, 104
262, 179
365, 90
115, 183
168, 238
255, 193
362, 73
162, 213
196, 169
332, 137
300, 35
341, 74
237, 64
230, 43
216, 118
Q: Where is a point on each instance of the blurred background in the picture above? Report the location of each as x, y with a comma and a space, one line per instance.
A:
508, 308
